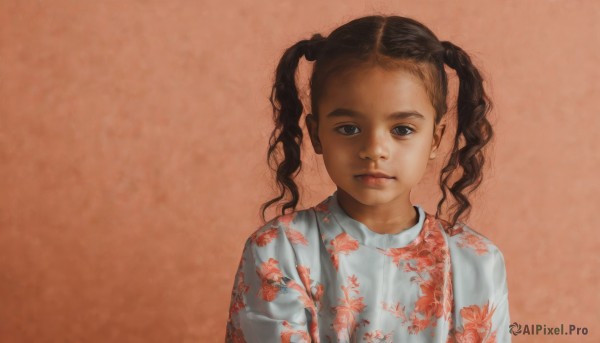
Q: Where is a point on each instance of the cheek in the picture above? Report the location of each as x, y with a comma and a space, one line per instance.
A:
420, 150
413, 158
337, 157
421, 156
334, 148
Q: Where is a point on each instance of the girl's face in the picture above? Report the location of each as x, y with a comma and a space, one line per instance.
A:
375, 120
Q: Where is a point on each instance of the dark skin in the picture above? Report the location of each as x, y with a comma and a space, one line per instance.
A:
368, 139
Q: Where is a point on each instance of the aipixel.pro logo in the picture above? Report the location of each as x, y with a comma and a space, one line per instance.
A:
543, 329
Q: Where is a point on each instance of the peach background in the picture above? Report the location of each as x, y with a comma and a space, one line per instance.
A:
132, 156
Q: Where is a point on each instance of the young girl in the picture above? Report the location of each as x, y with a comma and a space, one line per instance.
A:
365, 264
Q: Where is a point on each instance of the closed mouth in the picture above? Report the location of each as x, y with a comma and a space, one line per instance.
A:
377, 175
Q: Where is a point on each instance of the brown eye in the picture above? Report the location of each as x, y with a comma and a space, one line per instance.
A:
345, 132
406, 130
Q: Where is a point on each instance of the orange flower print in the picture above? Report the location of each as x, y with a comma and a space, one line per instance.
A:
348, 309
378, 337
467, 336
315, 291
286, 336
234, 334
417, 325
323, 207
428, 258
430, 303
396, 310
451, 230
304, 273
471, 240
478, 317
312, 302
318, 293
399, 255
477, 325
287, 219
265, 237
341, 244
271, 279
295, 236
239, 290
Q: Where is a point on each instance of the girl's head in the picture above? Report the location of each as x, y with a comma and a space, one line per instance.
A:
378, 94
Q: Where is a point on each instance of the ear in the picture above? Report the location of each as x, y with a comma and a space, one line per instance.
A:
438, 133
313, 129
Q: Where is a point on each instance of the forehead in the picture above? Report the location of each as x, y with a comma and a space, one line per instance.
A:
376, 91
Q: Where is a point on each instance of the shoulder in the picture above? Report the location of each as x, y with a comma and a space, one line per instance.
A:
465, 238
474, 253
475, 258
290, 229
478, 269
283, 243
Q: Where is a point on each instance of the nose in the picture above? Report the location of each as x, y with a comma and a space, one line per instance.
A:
375, 146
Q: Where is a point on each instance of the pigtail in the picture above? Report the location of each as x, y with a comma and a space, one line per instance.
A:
472, 106
287, 110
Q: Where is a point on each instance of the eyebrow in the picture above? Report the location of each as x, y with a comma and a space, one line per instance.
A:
346, 112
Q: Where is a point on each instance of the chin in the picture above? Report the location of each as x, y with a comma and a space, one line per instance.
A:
370, 196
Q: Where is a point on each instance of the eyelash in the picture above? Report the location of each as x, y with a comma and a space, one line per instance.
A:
339, 127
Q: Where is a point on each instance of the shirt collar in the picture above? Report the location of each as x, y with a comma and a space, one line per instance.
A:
338, 221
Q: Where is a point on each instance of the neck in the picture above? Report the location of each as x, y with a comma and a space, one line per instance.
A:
389, 218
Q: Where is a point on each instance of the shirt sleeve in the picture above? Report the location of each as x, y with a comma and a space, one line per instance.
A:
269, 302
481, 293
501, 316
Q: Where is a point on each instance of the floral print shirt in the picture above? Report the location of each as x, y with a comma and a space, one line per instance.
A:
318, 275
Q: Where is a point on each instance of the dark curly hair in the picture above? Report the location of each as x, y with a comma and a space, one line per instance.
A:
388, 41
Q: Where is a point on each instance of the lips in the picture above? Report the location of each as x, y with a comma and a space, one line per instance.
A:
377, 174
375, 179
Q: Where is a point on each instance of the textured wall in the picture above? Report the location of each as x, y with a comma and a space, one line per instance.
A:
133, 138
